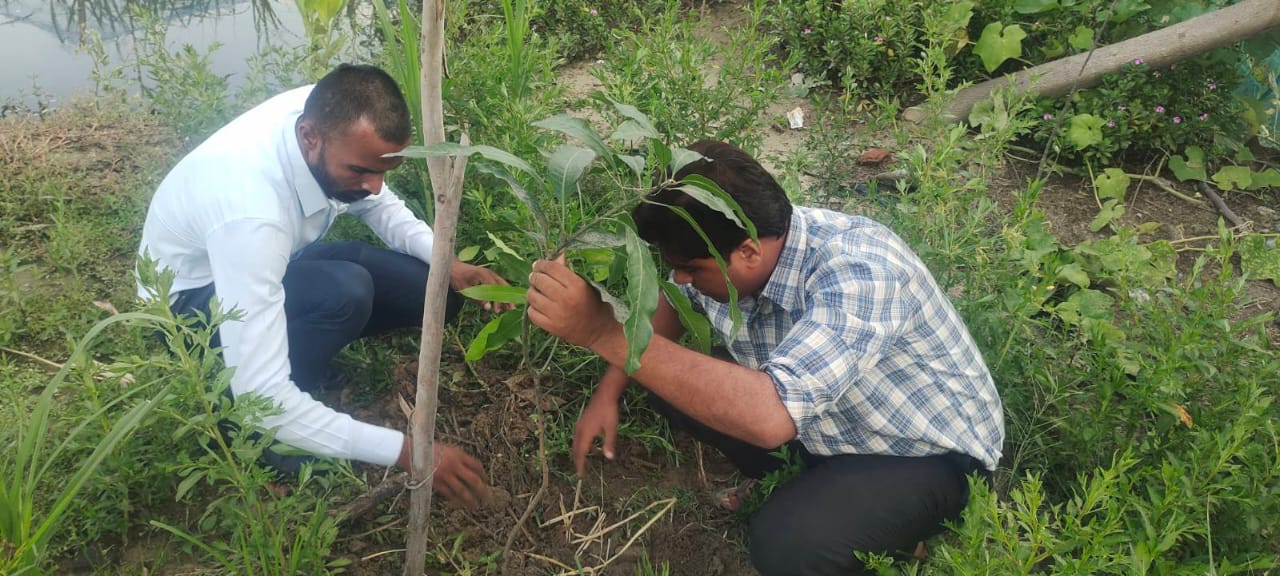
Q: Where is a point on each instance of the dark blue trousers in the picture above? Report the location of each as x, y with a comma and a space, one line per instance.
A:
334, 294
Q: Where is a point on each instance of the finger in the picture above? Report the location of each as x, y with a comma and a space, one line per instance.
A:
560, 258
581, 444
461, 494
477, 490
547, 274
610, 436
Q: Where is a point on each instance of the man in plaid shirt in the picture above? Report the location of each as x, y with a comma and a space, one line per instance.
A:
849, 354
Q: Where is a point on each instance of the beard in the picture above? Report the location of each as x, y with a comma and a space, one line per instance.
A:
330, 187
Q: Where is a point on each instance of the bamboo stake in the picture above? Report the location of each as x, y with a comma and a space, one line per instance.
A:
446, 186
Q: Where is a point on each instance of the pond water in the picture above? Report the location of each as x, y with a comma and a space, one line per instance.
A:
41, 39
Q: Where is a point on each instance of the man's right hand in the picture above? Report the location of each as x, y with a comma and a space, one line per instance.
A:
599, 420
458, 476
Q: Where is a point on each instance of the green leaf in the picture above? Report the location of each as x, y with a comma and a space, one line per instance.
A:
1233, 178
620, 309
1189, 168
1112, 184
999, 43
1074, 274
991, 113
517, 189
497, 242
496, 293
1260, 258
635, 115
455, 149
469, 253
579, 129
707, 192
697, 325
681, 157
1034, 6
1085, 130
636, 163
493, 335
642, 298
735, 313
1269, 178
1126, 9
565, 168
630, 132
1111, 210
1081, 39
595, 239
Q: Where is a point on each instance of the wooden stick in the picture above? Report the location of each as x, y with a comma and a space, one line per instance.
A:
1208, 192
447, 198
366, 502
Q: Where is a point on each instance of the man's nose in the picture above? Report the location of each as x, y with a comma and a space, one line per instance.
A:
372, 184
680, 277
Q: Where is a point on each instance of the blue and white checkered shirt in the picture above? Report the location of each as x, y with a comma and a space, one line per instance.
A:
865, 349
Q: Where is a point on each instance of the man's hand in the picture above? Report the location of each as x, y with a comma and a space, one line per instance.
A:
599, 420
458, 476
463, 276
563, 304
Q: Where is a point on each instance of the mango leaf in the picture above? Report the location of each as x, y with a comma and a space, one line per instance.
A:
1085, 130
1074, 274
999, 43
1081, 39
631, 132
1233, 178
707, 192
493, 335
579, 129
1112, 184
642, 297
565, 168
1269, 178
1191, 167
496, 293
469, 253
636, 163
517, 189
455, 149
1034, 6
695, 324
681, 157
497, 242
620, 309
595, 239
1111, 210
1260, 258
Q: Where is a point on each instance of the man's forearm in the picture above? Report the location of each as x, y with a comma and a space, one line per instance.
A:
738, 401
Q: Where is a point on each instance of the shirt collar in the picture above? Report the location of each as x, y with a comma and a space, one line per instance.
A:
785, 285
310, 197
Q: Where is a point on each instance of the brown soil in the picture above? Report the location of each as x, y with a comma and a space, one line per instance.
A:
636, 505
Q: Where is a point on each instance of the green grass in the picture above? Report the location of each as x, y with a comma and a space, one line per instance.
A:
1139, 396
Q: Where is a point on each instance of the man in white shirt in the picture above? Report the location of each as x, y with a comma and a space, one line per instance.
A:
238, 218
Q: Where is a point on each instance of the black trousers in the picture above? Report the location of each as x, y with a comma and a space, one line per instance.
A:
840, 505
335, 293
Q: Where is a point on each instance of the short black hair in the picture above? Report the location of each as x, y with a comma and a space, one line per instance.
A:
354, 91
762, 199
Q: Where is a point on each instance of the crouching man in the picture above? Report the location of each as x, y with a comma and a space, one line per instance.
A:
849, 354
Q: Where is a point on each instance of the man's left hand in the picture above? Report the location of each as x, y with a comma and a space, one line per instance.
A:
463, 276
562, 303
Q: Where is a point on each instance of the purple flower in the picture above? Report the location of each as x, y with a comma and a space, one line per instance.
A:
1111, 123
808, 31
1137, 61
878, 40
594, 12
1160, 109
1177, 119
1213, 86
1048, 116
1204, 116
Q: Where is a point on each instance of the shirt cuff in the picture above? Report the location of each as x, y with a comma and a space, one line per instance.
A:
375, 444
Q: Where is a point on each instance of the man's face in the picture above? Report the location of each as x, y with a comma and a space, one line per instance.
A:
705, 276
349, 164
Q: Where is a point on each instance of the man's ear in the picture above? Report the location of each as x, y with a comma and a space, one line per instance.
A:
750, 251
309, 138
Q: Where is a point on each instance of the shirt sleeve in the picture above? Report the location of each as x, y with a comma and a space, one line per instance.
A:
396, 225
854, 310
249, 258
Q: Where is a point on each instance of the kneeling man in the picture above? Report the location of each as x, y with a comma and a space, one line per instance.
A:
849, 354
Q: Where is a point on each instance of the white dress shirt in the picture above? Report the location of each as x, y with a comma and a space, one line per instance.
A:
234, 212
